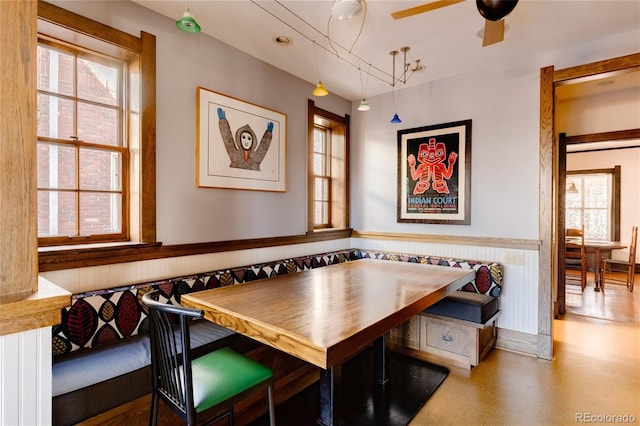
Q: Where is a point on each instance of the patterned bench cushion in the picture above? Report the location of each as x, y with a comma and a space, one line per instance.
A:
107, 316
488, 278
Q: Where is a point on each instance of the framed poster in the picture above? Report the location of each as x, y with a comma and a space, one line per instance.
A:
239, 145
434, 174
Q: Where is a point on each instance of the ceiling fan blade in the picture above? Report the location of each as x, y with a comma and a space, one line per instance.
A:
493, 32
427, 7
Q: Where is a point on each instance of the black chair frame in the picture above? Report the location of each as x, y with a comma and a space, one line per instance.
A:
169, 352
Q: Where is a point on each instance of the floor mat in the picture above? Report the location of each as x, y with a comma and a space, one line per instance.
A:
361, 402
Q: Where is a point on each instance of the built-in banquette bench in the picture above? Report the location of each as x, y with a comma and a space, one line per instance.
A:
101, 355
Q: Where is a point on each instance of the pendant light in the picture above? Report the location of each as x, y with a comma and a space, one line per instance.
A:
395, 119
573, 189
364, 105
187, 23
320, 90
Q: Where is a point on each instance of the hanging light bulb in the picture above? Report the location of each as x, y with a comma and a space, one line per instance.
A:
320, 90
187, 23
396, 119
364, 105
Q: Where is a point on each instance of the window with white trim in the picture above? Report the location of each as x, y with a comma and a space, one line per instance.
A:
593, 200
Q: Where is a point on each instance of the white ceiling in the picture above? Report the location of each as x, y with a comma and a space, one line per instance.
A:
445, 40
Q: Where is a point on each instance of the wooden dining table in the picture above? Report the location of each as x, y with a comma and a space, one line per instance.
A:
326, 315
599, 249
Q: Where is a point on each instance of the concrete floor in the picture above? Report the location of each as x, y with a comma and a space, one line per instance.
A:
595, 375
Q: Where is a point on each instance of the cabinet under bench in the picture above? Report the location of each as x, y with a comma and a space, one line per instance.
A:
445, 340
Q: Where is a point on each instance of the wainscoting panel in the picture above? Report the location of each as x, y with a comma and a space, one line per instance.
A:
98, 277
25, 378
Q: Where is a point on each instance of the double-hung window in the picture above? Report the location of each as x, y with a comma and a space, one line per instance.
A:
328, 170
95, 139
82, 150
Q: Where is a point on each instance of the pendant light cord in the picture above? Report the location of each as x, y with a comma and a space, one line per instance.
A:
355, 65
363, 85
364, 17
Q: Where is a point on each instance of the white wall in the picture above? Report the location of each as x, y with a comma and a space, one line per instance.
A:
607, 112
504, 107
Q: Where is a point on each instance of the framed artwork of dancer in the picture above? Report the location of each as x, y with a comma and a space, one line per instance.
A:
434, 174
239, 145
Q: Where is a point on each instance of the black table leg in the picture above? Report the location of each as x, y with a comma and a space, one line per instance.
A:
381, 359
330, 383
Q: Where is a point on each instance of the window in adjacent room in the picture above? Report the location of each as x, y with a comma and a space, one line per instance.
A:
328, 160
593, 199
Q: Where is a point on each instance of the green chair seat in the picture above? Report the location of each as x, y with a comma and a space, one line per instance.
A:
203, 389
222, 374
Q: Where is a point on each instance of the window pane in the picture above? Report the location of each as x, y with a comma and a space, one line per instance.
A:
98, 124
56, 166
574, 193
321, 213
98, 82
55, 71
321, 189
596, 192
319, 141
596, 224
55, 117
100, 170
319, 165
56, 213
99, 213
573, 218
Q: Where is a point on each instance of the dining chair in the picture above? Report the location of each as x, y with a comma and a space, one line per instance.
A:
627, 266
200, 389
576, 255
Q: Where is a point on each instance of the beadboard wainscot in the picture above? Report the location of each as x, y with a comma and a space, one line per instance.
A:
25, 353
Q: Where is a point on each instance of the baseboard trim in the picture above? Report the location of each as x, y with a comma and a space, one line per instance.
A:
517, 341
